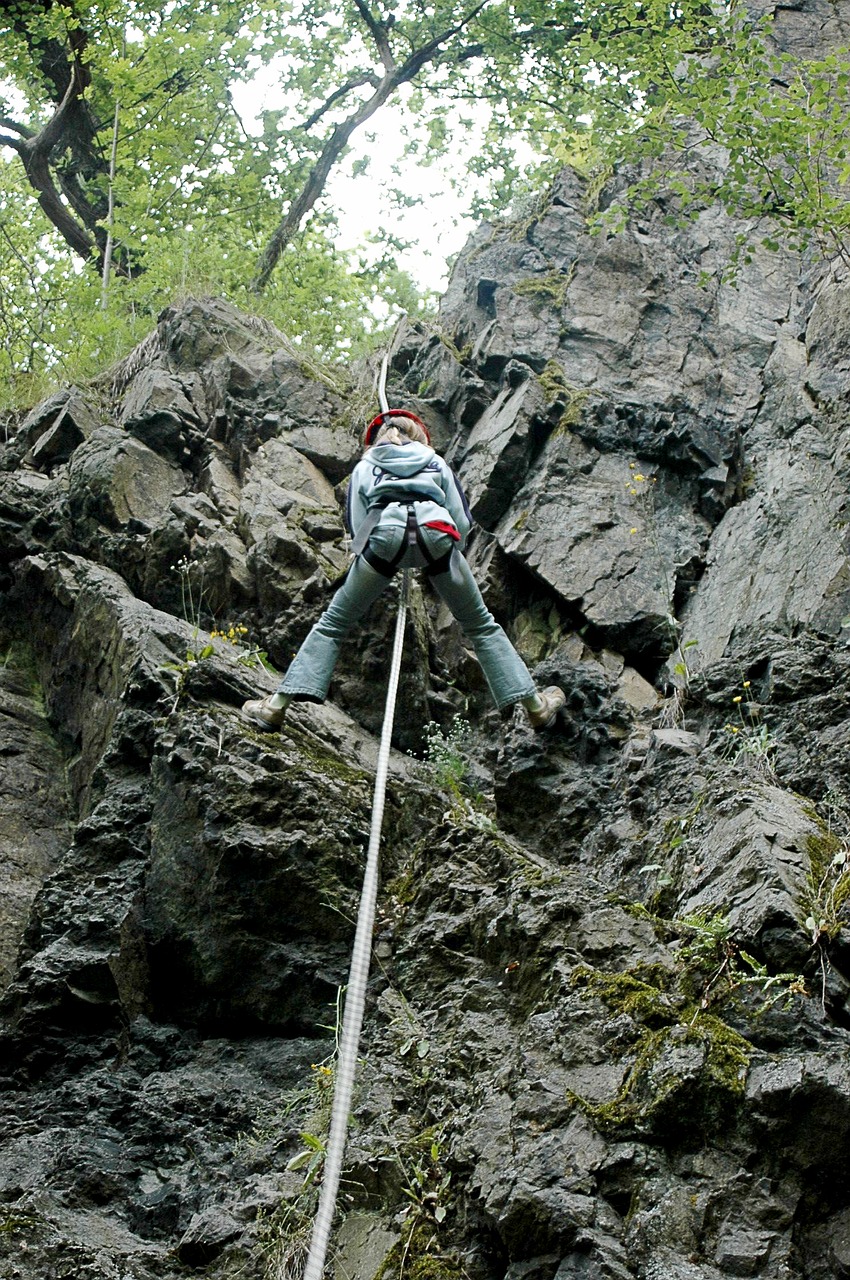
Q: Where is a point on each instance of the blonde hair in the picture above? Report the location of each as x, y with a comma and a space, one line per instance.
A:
408, 426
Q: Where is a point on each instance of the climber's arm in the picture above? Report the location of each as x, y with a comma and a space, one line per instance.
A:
355, 503
456, 503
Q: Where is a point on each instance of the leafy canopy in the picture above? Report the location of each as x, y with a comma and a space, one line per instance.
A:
128, 174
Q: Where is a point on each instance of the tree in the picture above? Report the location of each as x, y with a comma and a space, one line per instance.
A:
118, 117
131, 139
150, 84
395, 71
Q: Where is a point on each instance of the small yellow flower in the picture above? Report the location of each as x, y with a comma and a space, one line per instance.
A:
632, 530
746, 684
738, 699
632, 466
640, 477
633, 491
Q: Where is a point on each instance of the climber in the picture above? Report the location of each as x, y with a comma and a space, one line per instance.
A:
406, 509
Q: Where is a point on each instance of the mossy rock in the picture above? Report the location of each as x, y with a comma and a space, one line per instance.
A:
558, 391
828, 882
420, 1255
551, 288
687, 1068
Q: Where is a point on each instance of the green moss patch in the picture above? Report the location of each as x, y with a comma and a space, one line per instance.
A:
685, 1069
550, 288
418, 1255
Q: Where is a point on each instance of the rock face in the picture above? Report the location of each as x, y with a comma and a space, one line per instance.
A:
609, 1016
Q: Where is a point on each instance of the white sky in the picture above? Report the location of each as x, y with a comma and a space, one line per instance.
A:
437, 227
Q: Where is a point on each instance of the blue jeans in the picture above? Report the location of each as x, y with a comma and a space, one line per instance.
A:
310, 671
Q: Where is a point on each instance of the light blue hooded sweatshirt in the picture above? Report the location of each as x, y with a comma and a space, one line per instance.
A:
413, 471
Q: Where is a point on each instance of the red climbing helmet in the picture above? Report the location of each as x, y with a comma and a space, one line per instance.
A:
376, 424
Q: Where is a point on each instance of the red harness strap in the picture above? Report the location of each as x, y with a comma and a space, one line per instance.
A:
442, 527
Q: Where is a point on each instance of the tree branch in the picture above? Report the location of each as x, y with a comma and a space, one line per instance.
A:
417, 60
34, 153
49, 134
71, 132
22, 129
378, 31
356, 83
316, 180
338, 140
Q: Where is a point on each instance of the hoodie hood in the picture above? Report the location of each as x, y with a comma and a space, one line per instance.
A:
392, 473
402, 460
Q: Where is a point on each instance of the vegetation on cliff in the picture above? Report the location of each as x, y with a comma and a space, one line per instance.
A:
130, 174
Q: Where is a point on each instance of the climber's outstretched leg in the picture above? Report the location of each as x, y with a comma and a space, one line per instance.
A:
507, 676
309, 673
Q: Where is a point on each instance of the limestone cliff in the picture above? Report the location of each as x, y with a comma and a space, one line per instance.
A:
608, 1026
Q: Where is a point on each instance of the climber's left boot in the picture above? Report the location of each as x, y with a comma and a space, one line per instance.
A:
267, 712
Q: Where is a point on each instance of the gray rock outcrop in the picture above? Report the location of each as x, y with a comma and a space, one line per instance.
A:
609, 1015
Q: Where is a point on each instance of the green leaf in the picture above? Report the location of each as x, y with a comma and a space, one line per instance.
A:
754, 964
310, 1140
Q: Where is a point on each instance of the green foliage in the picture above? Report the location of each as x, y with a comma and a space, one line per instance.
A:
197, 191
445, 752
447, 760
824, 902
52, 325
748, 738
713, 967
426, 1180
781, 122
827, 885
195, 196
230, 640
311, 1159
557, 390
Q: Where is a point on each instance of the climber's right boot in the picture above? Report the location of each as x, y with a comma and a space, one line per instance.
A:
542, 709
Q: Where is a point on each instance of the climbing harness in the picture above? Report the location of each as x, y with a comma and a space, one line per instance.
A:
355, 995
412, 548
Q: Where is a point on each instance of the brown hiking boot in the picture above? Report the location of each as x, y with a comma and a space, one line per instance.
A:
258, 712
552, 699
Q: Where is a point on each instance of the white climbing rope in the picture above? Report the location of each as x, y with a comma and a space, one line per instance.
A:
382, 384
355, 995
